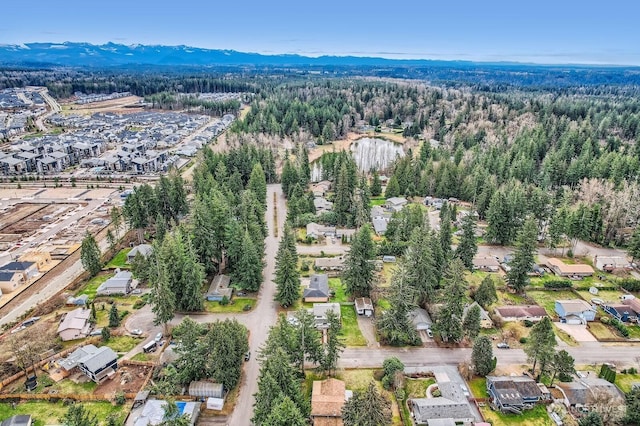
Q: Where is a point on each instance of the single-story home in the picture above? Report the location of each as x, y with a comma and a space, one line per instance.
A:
322, 205
620, 311
329, 264
420, 319
95, 363
318, 290
485, 319
153, 412
364, 306
569, 270
321, 311
633, 303
379, 225
521, 312
513, 393
395, 204
219, 288
315, 230
486, 264
429, 411
345, 233
120, 283
321, 188
9, 281
580, 393
144, 249
327, 399
19, 420
575, 311
75, 324
611, 263
205, 389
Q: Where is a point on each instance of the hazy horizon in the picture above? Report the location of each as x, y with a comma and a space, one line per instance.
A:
547, 32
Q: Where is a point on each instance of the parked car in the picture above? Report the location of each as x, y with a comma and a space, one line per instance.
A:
158, 337
241, 293
503, 345
136, 291
136, 332
247, 356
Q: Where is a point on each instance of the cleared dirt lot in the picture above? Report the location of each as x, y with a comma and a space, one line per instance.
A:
120, 105
17, 222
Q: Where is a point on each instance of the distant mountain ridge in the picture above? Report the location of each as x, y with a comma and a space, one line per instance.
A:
112, 54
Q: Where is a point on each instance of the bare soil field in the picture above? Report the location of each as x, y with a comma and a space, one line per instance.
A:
16, 214
61, 193
19, 223
128, 379
8, 193
121, 106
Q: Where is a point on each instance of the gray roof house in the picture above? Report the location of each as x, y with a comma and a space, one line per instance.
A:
395, 203
120, 283
19, 420
427, 409
579, 394
318, 290
320, 312
420, 319
379, 225
75, 324
95, 363
219, 288
144, 249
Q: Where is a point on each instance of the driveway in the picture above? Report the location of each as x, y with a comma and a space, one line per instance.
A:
578, 331
368, 331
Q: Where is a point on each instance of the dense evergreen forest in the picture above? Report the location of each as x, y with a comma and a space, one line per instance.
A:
562, 146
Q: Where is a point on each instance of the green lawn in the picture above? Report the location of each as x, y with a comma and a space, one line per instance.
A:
120, 260
417, 388
634, 331
338, 288
47, 413
237, 305
350, 330
564, 336
625, 381
377, 201
92, 285
601, 331
122, 343
478, 387
142, 357
547, 299
606, 295
536, 417
64, 386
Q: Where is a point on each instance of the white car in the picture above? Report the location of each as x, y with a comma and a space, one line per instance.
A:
158, 337
136, 332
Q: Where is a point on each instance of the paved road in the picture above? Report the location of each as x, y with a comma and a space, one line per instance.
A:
586, 353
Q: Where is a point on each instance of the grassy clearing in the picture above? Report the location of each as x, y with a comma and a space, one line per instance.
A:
120, 260
350, 329
606, 295
47, 413
142, 357
338, 288
536, 417
91, 287
237, 305
377, 201
601, 331
634, 331
547, 299
387, 273
478, 387
417, 388
626, 381
45, 383
122, 344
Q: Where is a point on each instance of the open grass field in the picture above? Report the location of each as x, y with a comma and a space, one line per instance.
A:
536, 417
122, 344
120, 260
237, 305
350, 329
606, 295
47, 413
626, 381
338, 288
377, 201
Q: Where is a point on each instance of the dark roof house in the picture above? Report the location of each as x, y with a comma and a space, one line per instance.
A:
318, 290
513, 393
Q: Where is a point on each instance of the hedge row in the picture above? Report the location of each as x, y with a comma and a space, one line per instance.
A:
557, 284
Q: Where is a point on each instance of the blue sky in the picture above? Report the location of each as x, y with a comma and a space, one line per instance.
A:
539, 31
